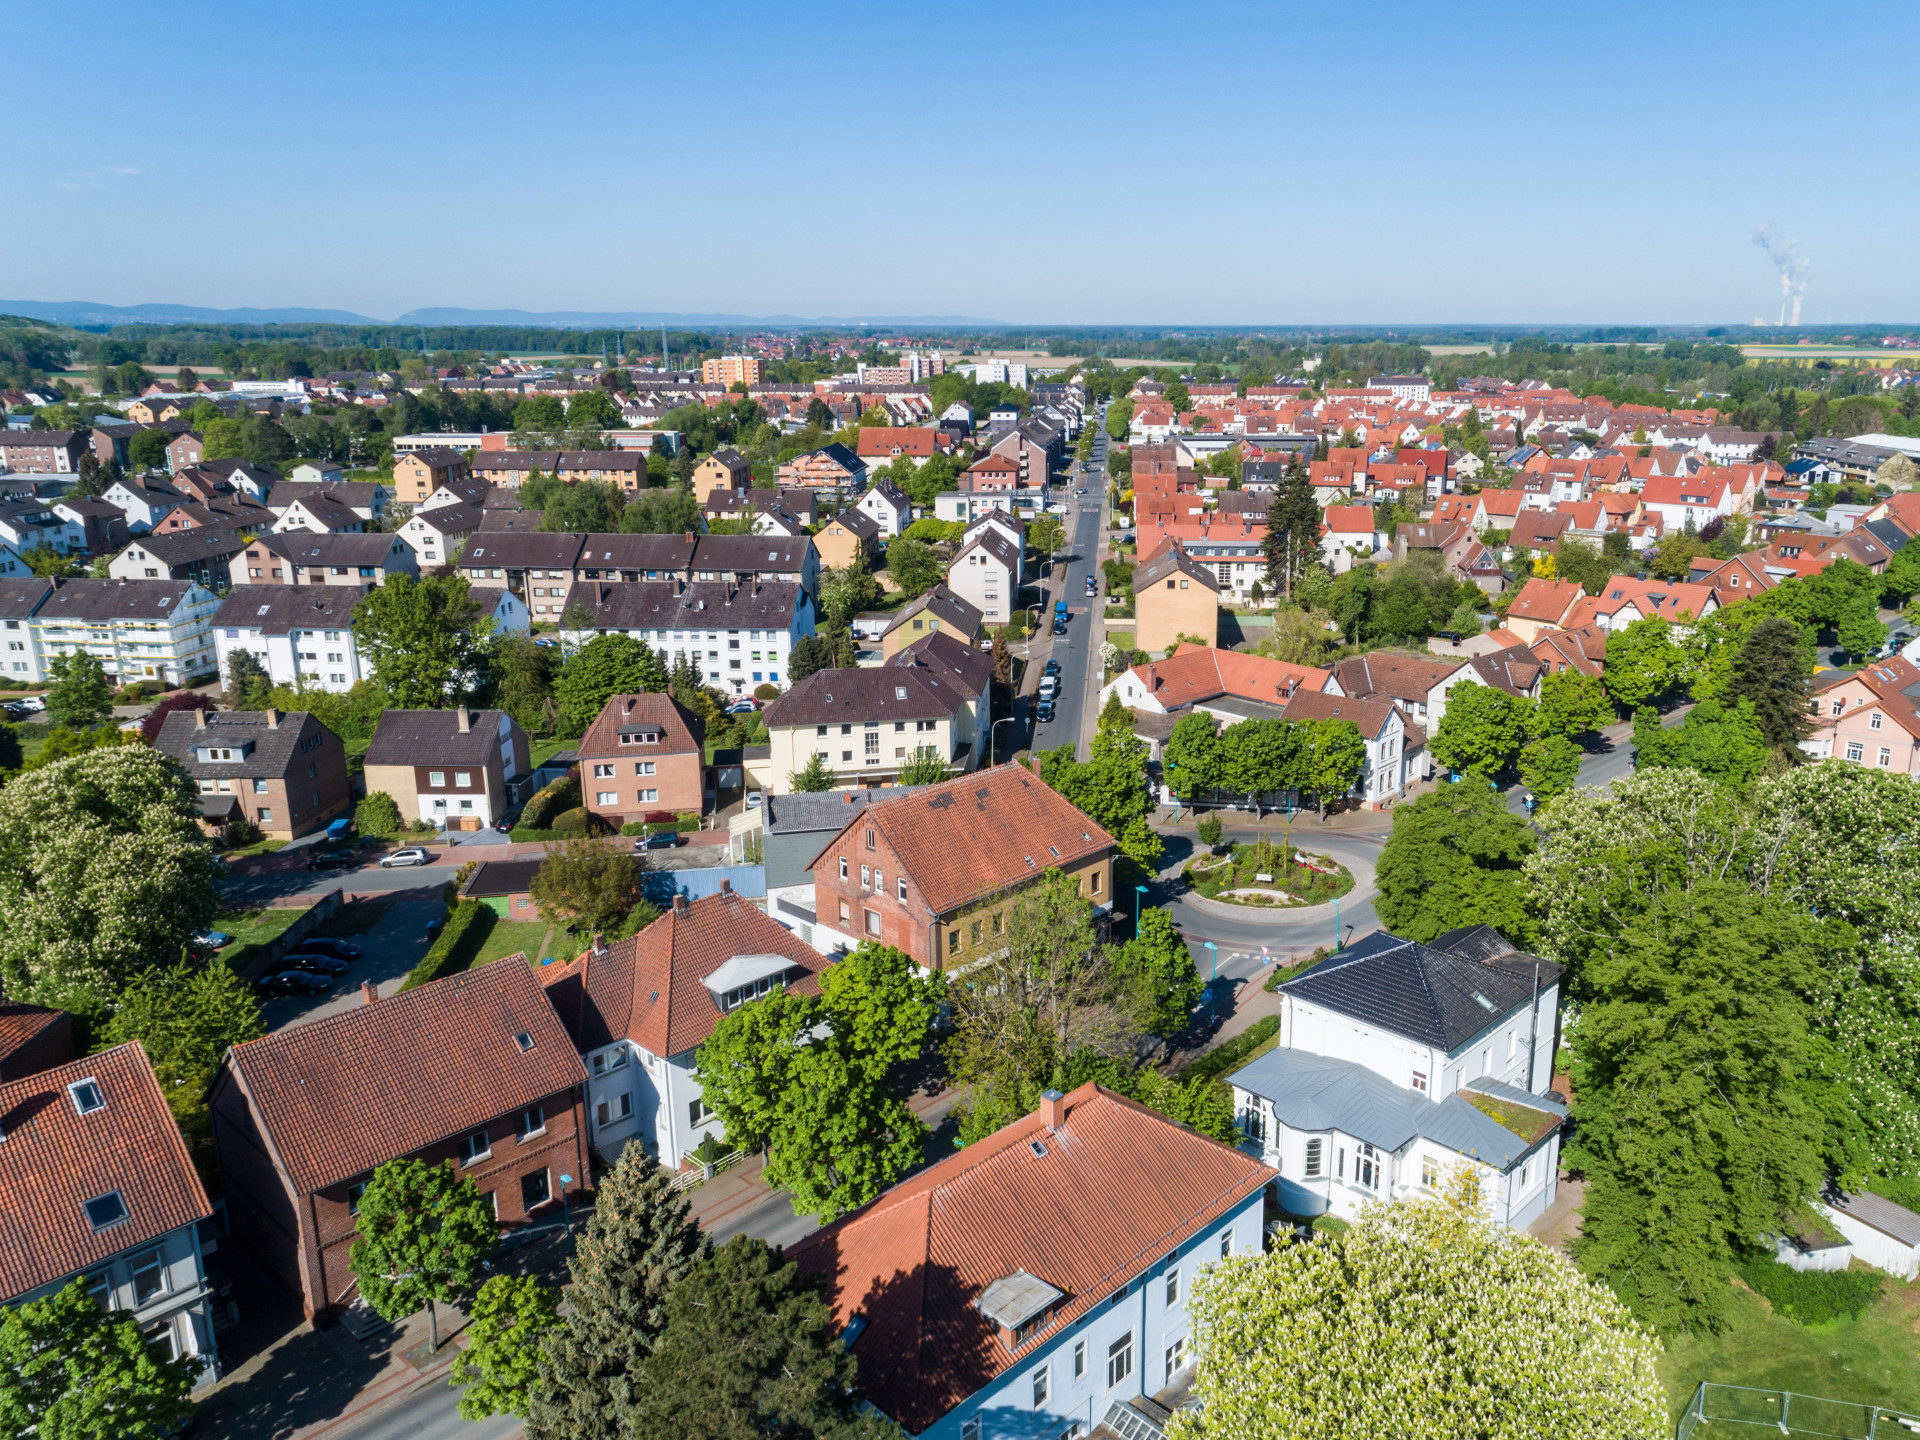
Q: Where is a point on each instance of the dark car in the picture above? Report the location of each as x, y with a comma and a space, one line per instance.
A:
1053, 668
319, 964
296, 982
508, 820
1059, 627
1043, 712
330, 860
326, 945
662, 840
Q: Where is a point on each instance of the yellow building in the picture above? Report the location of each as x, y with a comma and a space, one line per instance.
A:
1173, 596
730, 370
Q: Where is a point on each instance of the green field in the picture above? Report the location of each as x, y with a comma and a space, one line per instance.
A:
251, 928
527, 936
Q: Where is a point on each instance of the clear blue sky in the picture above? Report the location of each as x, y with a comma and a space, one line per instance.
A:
1037, 163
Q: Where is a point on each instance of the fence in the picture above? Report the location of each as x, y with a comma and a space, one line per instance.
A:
1791, 1414
687, 1179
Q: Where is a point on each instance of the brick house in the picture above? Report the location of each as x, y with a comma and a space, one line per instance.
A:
302, 1117
286, 773
934, 871
642, 753
459, 769
32, 1038
100, 1189
43, 452
184, 449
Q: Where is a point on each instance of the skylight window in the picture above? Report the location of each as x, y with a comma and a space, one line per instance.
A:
524, 1041
105, 1211
86, 1096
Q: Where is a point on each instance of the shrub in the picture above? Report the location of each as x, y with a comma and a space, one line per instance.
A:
577, 821
1216, 1063
242, 832
378, 814
1812, 1297
634, 827
659, 817
766, 692
467, 927
563, 794
1209, 830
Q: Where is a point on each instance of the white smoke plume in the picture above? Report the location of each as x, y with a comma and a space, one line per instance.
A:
1793, 270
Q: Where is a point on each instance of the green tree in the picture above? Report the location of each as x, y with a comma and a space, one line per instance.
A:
1643, 664
378, 814
1454, 858
72, 1371
1424, 1297
814, 778
80, 696
540, 414
1260, 757
148, 450
1293, 529
638, 1245
811, 653
1549, 766
104, 872
1572, 704
592, 410
247, 681
422, 1232
1721, 741
1191, 758
1581, 562
605, 666
584, 507
502, 1360
589, 883
1693, 1121
1111, 788
748, 1351
43, 560
1481, 732
662, 511
916, 568
426, 639
186, 1017
846, 591
1155, 975
1859, 630
1046, 535
1119, 417
1771, 671
522, 674
924, 767
1673, 559
1336, 758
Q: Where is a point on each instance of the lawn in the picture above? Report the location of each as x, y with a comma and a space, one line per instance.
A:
1872, 1360
545, 750
526, 936
1290, 879
250, 928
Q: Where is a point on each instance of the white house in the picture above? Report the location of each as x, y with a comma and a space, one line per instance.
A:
319, 513
888, 507
699, 961
437, 534
137, 629
986, 573
1396, 747
1399, 1061
741, 635
29, 524
20, 595
301, 634
142, 505
1350, 537
1054, 1260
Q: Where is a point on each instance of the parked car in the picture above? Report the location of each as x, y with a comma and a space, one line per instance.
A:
745, 705
330, 860
754, 798
1043, 712
327, 945
1053, 668
1093, 586
1059, 627
660, 840
1049, 686
212, 940
1081, 491
412, 855
34, 703
296, 982
315, 962
508, 820
546, 642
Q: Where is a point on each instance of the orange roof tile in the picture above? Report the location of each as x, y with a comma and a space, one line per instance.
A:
1546, 600
1197, 673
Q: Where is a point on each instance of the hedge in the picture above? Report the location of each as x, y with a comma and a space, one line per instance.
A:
521, 834
467, 927
1216, 1063
1812, 1297
540, 812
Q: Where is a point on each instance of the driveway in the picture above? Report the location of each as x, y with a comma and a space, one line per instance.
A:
395, 942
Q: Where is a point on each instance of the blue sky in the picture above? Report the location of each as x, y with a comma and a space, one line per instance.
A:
1036, 163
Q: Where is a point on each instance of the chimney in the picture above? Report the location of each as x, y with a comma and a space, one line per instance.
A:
199, 719
463, 719
273, 719
1053, 1109
679, 904
849, 795
367, 993
726, 887
599, 943
630, 700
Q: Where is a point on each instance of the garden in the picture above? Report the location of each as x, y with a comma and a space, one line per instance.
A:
1266, 875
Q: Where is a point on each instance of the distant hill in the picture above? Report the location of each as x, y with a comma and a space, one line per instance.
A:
89, 312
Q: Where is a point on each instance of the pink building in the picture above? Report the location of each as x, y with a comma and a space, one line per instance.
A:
1870, 717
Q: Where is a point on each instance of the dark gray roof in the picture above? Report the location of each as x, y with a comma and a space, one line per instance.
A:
344, 492
1895, 1221
20, 598
950, 609
189, 547
967, 669
784, 553
515, 550
274, 746
502, 877
1424, 992
497, 522
668, 554
826, 811
115, 600
1316, 1092
304, 547
701, 604
433, 737
1888, 534
889, 693
276, 609
449, 519
1170, 561
859, 522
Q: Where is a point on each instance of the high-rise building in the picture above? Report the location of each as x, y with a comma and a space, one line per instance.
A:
731, 370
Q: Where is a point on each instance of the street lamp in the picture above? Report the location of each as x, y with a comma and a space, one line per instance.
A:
566, 1217
993, 739
1138, 891
1213, 991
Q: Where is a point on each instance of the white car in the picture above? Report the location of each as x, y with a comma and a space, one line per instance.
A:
412, 855
1049, 686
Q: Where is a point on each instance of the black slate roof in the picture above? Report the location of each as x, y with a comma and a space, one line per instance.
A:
1442, 994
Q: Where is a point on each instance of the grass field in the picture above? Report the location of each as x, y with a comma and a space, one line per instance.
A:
529, 936
1874, 1359
251, 928
539, 753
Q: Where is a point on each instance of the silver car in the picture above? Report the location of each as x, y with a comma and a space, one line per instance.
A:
412, 855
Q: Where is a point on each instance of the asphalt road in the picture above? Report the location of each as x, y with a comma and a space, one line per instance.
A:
1078, 651
429, 1413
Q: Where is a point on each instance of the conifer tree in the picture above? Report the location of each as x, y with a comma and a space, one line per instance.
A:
637, 1247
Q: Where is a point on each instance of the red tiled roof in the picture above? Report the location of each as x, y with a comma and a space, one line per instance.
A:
1117, 1188
21, 1023
54, 1159
355, 1089
677, 727
885, 441
980, 833
1194, 674
648, 987
1547, 600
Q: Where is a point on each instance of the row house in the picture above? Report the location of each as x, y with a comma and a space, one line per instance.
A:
204, 555
302, 635
101, 1192
284, 773
542, 567
739, 636
364, 500
457, 769
43, 452
1400, 1063
303, 1117
881, 445
935, 870
137, 629
437, 533
299, 558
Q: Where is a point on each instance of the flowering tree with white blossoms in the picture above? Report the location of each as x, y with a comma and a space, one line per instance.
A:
1425, 1319
103, 873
